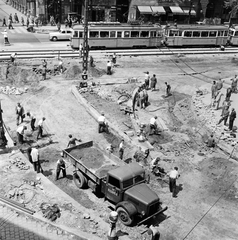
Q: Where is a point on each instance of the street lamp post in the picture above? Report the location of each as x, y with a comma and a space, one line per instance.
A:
85, 42
189, 13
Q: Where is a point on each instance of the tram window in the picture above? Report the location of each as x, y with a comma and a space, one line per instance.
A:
220, 33
212, 34
126, 34
104, 34
204, 34
153, 33
80, 34
119, 34
188, 34
236, 33
226, 33
76, 34
112, 34
93, 34
196, 34
144, 34
134, 34
159, 34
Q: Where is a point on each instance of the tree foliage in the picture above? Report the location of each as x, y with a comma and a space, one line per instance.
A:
232, 5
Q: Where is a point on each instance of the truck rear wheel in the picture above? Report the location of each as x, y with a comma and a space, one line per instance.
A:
124, 216
79, 180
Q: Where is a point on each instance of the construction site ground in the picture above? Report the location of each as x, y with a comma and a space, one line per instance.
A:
206, 203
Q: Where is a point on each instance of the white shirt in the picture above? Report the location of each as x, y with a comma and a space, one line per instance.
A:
121, 146
101, 119
109, 64
147, 76
34, 154
21, 130
152, 121
174, 174
4, 34
40, 123
13, 55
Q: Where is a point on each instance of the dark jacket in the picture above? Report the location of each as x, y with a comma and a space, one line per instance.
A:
233, 115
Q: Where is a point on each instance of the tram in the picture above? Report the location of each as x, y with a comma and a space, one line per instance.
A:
233, 35
196, 35
118, 36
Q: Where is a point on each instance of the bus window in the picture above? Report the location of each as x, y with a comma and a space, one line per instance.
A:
93, 34
134, 34
196, 34
188, 34
225, 33
119, 34
204, 34
153, 34
104, 34
76, 34
80, 34
212, 34
220, 34
112, 34
126, 34
144, 34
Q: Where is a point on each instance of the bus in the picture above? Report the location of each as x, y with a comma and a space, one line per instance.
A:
118, 36
196, 35
233, 35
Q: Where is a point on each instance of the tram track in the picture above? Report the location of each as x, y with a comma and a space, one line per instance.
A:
29, 54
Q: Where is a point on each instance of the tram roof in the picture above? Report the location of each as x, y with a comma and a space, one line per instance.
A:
117, 27
198, 27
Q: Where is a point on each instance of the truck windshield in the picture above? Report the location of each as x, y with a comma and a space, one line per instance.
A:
133, 181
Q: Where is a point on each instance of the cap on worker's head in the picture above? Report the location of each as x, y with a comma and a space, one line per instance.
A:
147, 72
155, 117
122, 140
211, 135
176, 168
18, 103
61, 154
43, 118
25, 127
70, 135
233, 109
5, 30
102, 113
149, 231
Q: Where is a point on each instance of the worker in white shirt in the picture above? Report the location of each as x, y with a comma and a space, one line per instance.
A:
152, 233
102, 126
153, 125
5, 36
20, 133
121, 149
40, 128
13, 57
109, 67
35, 159
33, 120
173, 176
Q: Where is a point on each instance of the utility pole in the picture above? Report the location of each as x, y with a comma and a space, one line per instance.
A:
85, 43
3, 140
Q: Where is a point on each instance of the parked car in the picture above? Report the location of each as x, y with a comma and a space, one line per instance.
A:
63, 34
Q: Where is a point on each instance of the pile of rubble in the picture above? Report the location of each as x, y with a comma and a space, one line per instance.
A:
51, 212
13, 90
18, 162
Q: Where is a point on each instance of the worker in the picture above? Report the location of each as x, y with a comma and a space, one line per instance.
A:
217, 100
173, 176
232, 119
112, 233
228, 94
146, 98
121, 149
219, 85
142, 135
60, 167
20, 133
225, 116
60, 66
109, 67
13, 57
234, 84
114, 58
28, 152
102, 125
80, 50
5, 36
168, 89
40, 128
153, 82
147, 80
141, 98
91, 61
213, 90
153, 125
211, 141
33, 120
72, 141
36, 159
152, 233
20, 113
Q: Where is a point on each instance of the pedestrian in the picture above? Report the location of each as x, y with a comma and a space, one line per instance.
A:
72, 141
60, 66
109, 67
28, 152
66, 22
10, 24
59, 25
213, 90
33, 120
36, 21
173, 176
232, 119
5, 36
234, 84
40, 128
121, 149
80, 50
219, 85
27, 22
153, 125
102, 125
211, 141
36, 159
225, 116
52, 21
147, 80
168, 89
153, 82
152, 233
13, 57
16, 18
228, 94
4, 22
20, 113
22, 21
114, 58
20, 133
70, 23
60, 167
10, 17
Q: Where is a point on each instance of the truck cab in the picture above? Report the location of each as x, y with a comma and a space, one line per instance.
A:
126, 188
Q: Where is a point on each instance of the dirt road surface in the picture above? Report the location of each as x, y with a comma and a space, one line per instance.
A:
206, 203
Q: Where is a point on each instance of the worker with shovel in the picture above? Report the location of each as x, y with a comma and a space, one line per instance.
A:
40, 128
60, 167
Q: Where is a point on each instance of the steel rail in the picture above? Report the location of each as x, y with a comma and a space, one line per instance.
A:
16, 205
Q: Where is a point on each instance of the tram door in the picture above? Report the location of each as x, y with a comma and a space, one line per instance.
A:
174, 38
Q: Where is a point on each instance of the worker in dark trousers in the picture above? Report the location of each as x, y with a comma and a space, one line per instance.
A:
168, 89
173, 176
72, 141
232, 119
60, 167
121, 149
225, 116
152, 233
40, 128
19, 113
33, 120
28, 152
20, 134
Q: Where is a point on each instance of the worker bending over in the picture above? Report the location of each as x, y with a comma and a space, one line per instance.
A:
102, 125
60, 167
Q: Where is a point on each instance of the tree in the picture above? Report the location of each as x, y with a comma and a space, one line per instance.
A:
233, 6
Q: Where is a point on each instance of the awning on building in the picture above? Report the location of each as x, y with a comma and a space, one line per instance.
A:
186, 11
176, 10
145, 9
158, 9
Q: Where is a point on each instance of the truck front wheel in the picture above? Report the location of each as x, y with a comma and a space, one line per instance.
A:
124, 216
79, 180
